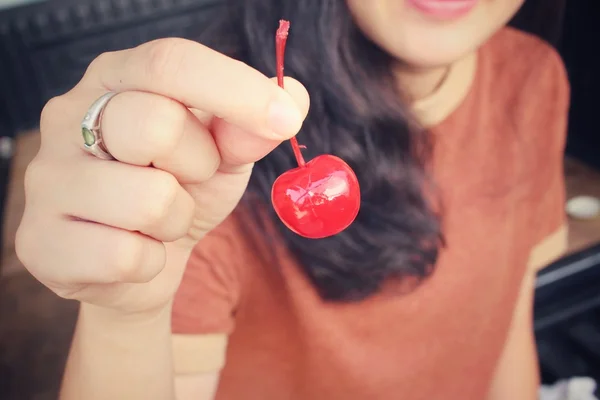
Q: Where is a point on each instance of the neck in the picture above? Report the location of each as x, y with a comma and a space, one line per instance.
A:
419, 83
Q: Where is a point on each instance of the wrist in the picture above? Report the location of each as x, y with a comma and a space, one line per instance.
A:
109, 317
117, 355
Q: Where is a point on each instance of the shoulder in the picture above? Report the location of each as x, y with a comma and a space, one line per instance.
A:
526, 66
223, 243
216, 259
527, 84
519, 51
218, 273
212, 282
525, 80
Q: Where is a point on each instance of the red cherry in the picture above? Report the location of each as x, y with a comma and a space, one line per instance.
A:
318, 200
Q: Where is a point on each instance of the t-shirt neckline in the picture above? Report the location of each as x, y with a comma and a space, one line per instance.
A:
438, 106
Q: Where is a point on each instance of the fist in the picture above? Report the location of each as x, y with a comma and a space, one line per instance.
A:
118, 233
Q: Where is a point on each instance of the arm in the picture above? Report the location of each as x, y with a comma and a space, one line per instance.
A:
517, 375
202, 314
132, 353
115, 355
138, 217
136, 356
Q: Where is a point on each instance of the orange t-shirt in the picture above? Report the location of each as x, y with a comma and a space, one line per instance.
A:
498, 166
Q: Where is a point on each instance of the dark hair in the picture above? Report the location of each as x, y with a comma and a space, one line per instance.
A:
357, 114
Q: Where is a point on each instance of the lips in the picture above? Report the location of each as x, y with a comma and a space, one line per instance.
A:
443, 9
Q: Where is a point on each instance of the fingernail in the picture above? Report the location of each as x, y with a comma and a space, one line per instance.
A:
284, 118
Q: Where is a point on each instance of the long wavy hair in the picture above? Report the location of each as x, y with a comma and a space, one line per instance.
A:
357, 114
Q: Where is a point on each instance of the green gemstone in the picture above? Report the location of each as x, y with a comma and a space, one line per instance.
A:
88, 136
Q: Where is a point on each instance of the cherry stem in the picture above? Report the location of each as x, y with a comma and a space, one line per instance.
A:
280, 41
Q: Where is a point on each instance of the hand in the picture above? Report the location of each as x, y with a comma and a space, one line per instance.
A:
117, 234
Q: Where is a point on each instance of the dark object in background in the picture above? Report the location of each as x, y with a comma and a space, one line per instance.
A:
543, 18
567, 316
45, 48
579, 48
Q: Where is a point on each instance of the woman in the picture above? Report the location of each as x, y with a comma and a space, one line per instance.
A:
455, 127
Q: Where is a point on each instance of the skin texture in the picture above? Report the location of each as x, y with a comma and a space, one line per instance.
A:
421, 41
175, 185
149, 208
425, 46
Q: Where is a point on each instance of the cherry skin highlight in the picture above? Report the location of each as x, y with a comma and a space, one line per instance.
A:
319, 198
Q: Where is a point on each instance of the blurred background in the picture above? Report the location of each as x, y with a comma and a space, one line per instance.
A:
45, 46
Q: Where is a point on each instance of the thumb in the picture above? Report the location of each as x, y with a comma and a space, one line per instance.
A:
239, 147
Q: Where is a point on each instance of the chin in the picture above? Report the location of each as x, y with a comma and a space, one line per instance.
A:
424, 38
432, 56
420, 46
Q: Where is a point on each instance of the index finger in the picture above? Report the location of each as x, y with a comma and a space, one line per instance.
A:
204, 79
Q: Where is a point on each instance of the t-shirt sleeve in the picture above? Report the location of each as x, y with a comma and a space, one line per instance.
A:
210, 288
548, 194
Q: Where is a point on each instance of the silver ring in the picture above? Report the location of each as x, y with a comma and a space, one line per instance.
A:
90, 128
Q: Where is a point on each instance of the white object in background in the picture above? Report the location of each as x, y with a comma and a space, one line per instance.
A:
583, 207
572, 389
